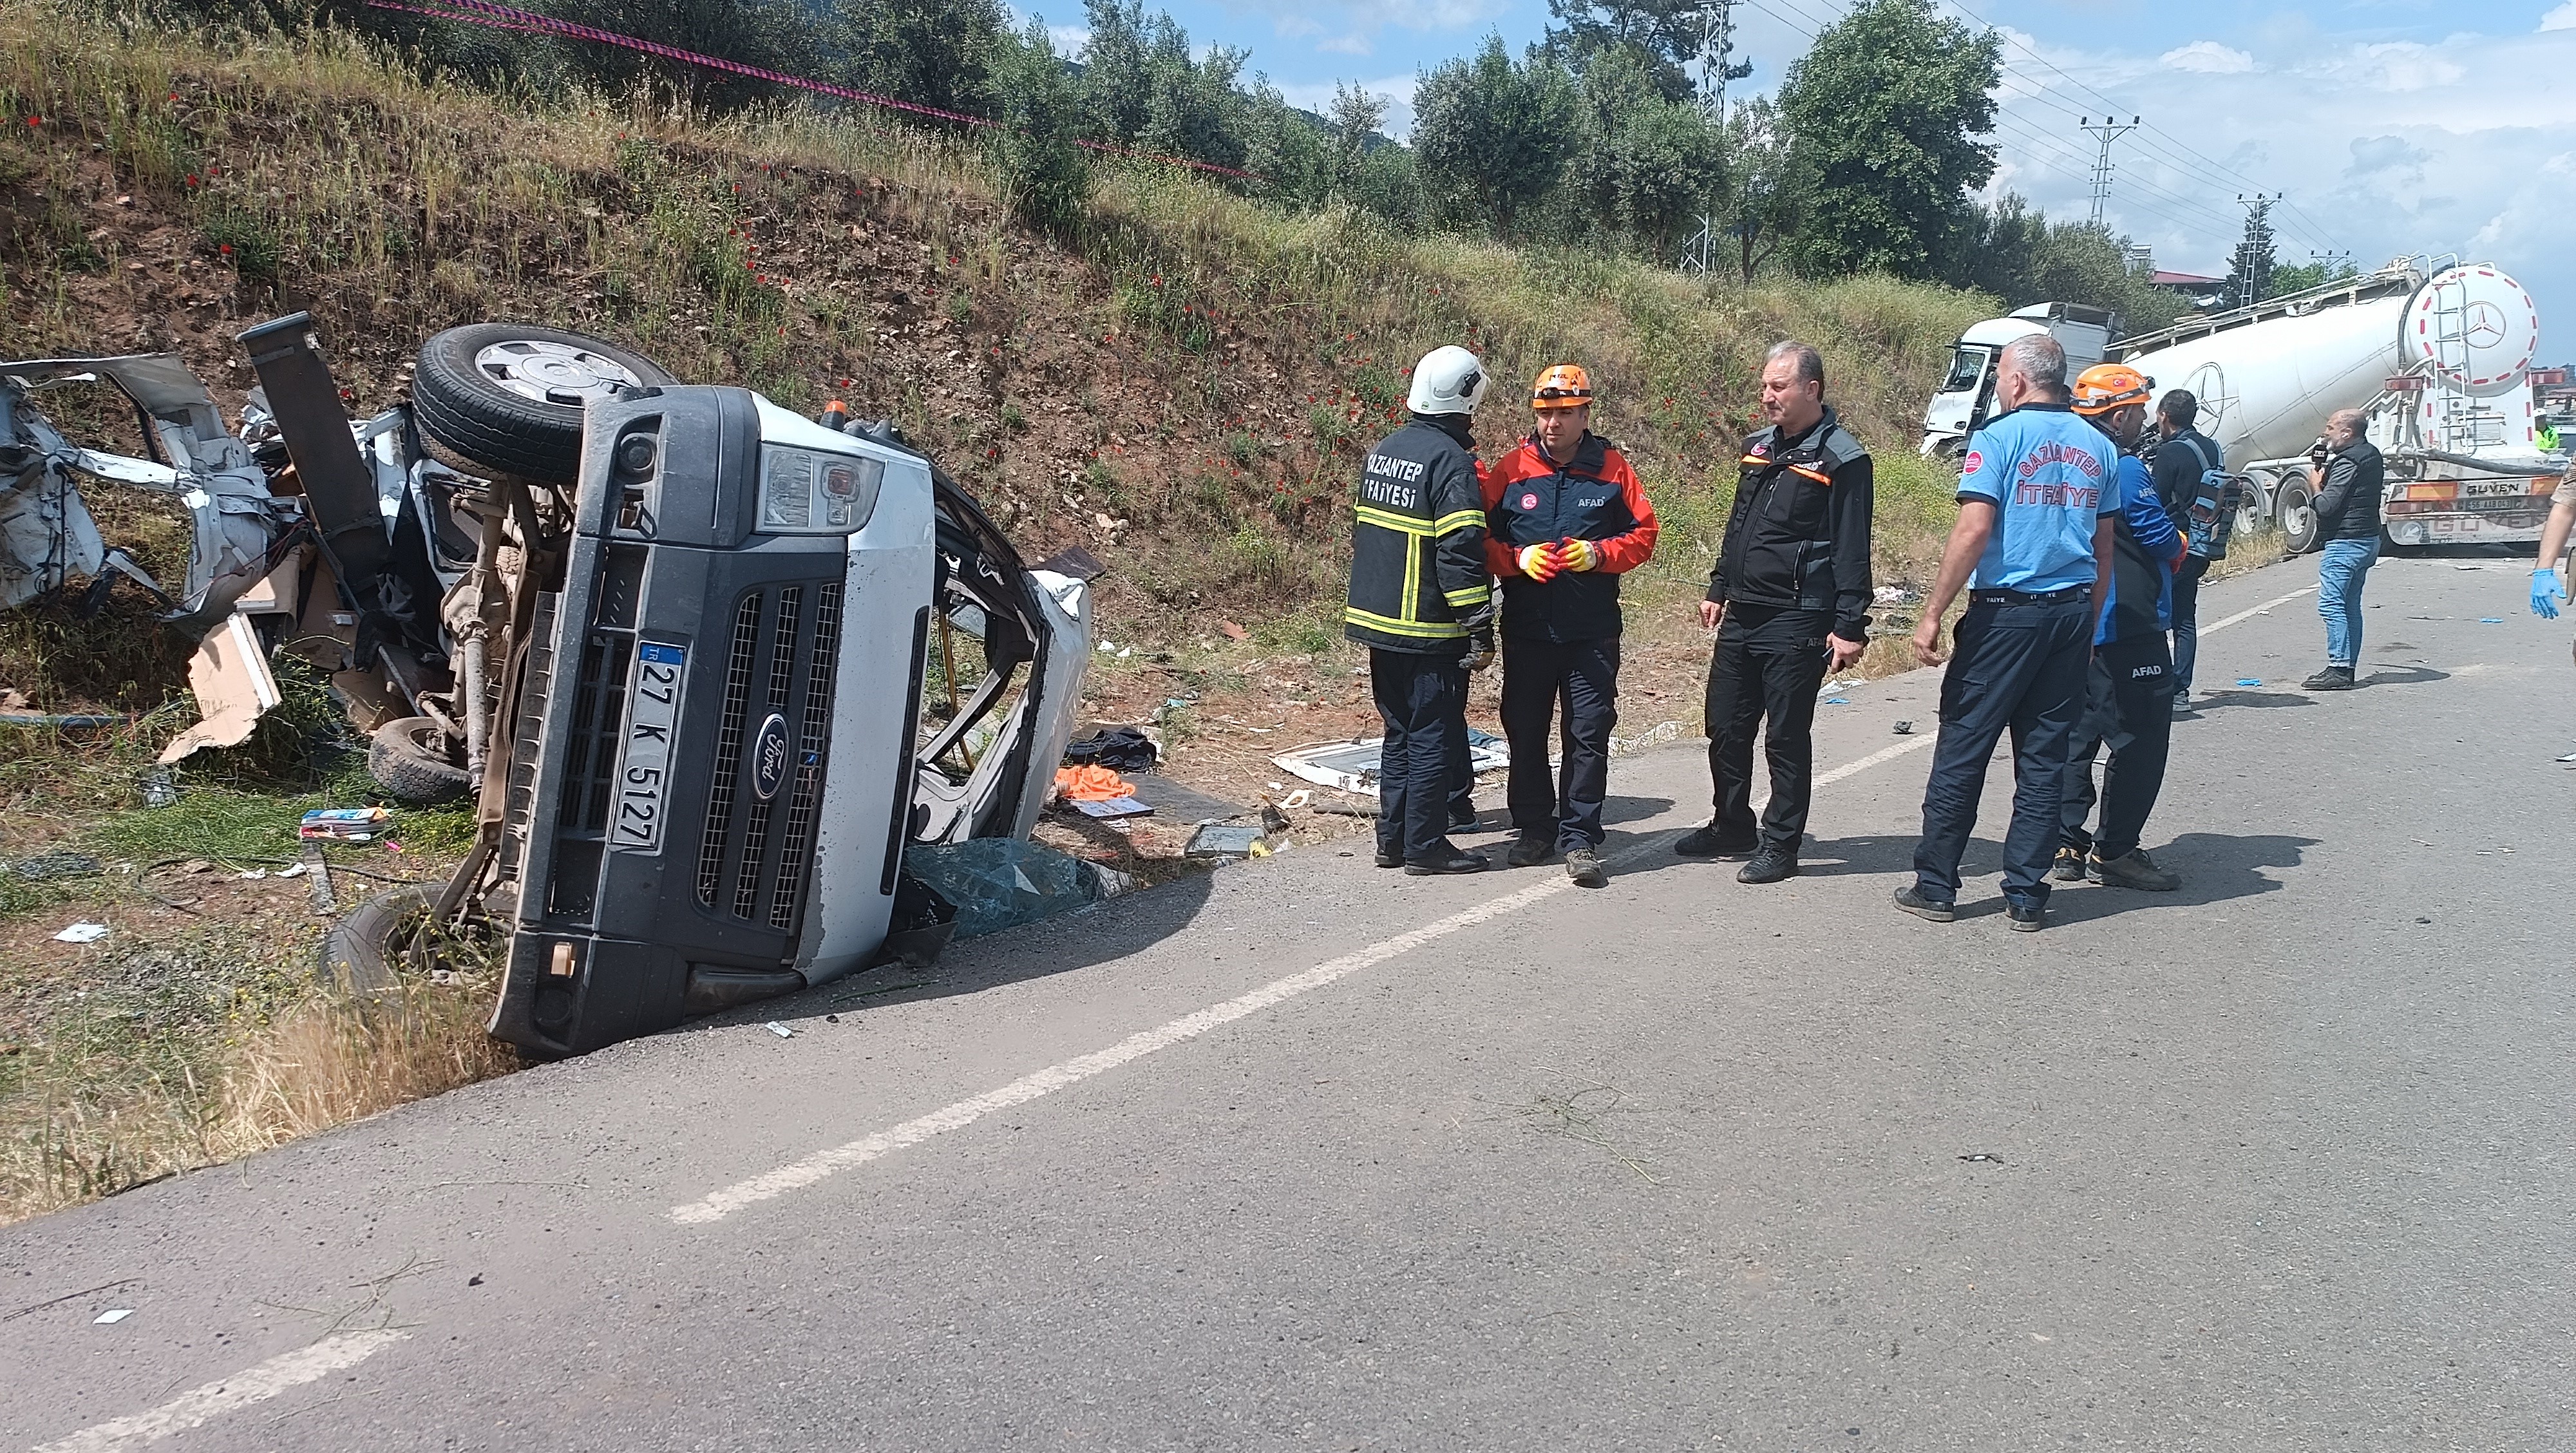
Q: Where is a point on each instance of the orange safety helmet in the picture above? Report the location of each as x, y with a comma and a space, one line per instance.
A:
2108, 386
1565, 386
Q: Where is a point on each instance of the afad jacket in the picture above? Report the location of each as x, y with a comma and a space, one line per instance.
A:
1797, 537
1532, 500
1418, 542
2147, 547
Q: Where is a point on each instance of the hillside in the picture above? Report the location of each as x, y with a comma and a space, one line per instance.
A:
1182, 386
1193, 367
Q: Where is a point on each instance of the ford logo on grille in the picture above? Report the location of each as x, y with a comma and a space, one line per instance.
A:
768, 764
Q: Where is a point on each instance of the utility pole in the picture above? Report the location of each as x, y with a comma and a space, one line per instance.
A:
2338, 263
1717, 58
2104, 132
1717, 66
2250, 279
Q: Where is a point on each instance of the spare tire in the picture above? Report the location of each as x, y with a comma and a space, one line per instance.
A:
507, 398
408, 758
359, 953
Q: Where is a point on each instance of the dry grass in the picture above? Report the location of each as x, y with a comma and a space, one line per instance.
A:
1184, 388
117, 1096
330, 1061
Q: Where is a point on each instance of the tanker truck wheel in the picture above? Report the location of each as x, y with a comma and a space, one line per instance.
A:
2296, 509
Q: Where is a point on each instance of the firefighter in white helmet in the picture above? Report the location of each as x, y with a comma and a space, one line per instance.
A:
1420, 600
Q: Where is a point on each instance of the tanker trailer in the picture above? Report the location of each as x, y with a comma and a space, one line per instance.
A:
2439, 362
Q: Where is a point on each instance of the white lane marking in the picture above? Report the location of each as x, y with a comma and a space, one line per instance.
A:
251, 1385
2249, 614
1055, 1077
826, 1163
1883, 754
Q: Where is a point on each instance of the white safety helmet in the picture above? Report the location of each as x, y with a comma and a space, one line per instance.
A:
1448, 380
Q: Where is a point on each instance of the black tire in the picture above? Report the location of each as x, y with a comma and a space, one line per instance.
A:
2295, 508
359, 953
408, 758
507, 398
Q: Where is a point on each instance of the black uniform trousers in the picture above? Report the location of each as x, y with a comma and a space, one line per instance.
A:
1769, 664
2128, 707
2017, 668
1575, 683
1423, 701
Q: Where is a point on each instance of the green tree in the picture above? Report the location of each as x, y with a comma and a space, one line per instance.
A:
2298, 277
1994, 249
1886, 110
1491, 136
1766, 196
1285, 148
2250, 267
1648, 167
2014, 252
928, 52
1355, 116
1044, 173
1140, 88
1662, 33
778, 35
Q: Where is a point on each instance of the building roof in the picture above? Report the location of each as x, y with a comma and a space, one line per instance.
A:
2165, 279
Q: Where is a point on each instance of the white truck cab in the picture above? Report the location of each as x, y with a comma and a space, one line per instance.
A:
1965, 399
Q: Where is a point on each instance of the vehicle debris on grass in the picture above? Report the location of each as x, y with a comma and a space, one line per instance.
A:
614, 613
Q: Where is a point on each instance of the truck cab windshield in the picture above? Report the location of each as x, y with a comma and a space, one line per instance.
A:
1967, 368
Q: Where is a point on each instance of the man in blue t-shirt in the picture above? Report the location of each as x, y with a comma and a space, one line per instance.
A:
2129, 695
2037, 493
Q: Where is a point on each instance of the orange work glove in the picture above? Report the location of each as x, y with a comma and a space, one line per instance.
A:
1539, 563
1578, 555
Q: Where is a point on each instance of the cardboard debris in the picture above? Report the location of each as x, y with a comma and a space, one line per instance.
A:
234, 688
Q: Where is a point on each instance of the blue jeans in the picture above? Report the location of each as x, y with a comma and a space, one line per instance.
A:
2340, 572
2186, 622
2016, 668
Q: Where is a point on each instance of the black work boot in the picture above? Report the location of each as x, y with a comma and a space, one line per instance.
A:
1583, 865
1911, 900
2333, 678
1530, 849
1452, 861
1703, 842
2132, 869
1769, 866
2069, 867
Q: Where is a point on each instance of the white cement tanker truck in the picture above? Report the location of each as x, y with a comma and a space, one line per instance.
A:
2439, 355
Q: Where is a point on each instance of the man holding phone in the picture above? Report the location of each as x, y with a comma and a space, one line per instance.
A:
1789, 600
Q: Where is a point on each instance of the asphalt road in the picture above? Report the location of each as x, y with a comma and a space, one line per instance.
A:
1312, 1155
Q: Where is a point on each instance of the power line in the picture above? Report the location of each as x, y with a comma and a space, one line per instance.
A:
2105, 131
2051, 152
2178, 143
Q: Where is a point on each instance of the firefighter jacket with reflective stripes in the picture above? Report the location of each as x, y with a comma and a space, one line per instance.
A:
1532, 500
1418, 542
1798, 535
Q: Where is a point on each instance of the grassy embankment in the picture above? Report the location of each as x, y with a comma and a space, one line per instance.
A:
1183, 387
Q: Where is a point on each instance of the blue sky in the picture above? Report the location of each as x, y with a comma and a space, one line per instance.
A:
2394, 126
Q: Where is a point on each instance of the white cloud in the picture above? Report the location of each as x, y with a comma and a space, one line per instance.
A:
2209, 58
2402, 66
1440, 14
2384, 149
1395, 91
1073, 40
2562, 18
